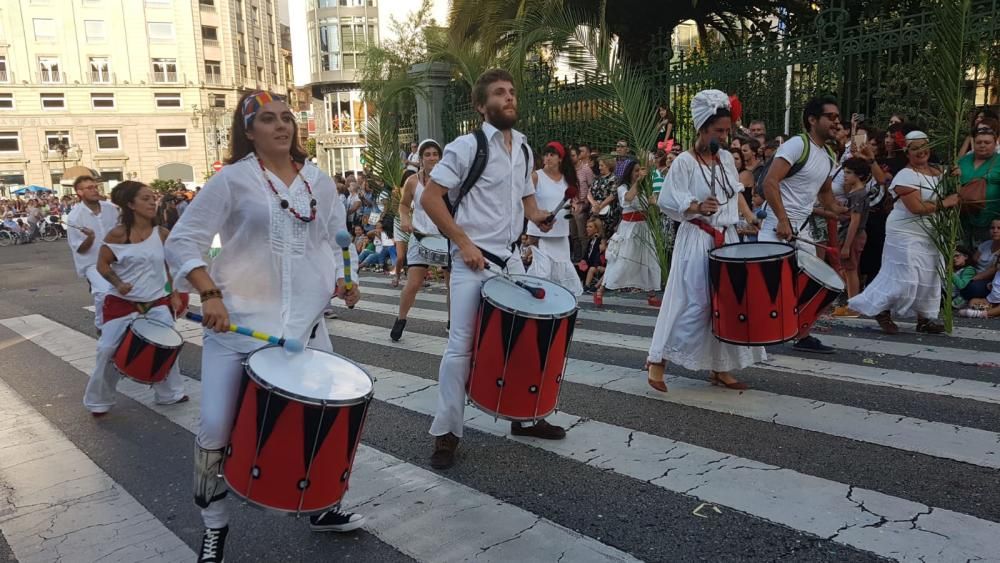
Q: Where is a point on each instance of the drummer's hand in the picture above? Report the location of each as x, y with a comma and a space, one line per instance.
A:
123, 288
472, 256
214, 315
88, 232
708, 207
546, 224
406, 226
177, 304
784, 230
351, 297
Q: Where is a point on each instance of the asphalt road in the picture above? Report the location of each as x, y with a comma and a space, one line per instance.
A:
888, 449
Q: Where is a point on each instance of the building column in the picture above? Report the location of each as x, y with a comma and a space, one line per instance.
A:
434, 80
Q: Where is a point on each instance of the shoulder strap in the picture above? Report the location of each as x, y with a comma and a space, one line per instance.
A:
475, 171
527, 166
803, 158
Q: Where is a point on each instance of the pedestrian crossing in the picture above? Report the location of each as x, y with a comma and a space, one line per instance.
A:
429, 517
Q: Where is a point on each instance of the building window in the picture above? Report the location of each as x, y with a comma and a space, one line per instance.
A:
12, 177
329, 44
48, 70
4, 77
171, 138
100, 70
355, 36
108, 140
10, 141
172, 100
209, 33
213, 72
217, 100
45, 29
243, 71
53, 101
95, 31
53, 139
164, 70
102, 101
256, 46
327, 3
260, 74
206, 2
161, 31
253, 14
6, 101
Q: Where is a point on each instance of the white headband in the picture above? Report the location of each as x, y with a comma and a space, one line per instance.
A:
706, 104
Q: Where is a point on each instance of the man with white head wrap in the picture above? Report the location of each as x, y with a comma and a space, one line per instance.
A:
702, 192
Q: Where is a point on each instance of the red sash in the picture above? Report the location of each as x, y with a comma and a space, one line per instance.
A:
115, 307
718, 237
634, 216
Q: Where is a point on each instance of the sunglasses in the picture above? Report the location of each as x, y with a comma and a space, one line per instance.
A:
832, 116
985, 131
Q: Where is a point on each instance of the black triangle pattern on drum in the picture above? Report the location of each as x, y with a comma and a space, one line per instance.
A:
714, 272
269, 408
357, 420
160, 356
484, 319
317, 423
510, 330
135, 347
546, 331
772, 277
807, 293
244, 381
738, 279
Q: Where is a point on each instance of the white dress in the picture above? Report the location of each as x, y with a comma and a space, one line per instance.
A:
683, 333
909, 282
551, 257
631, 253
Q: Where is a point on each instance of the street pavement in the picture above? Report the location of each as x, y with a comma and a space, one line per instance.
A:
887, 450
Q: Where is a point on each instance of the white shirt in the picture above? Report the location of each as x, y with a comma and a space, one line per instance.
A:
277, 273
798, 193
101, 223
901, 220
686, 184
421, 222
140, 264
492, 213
549, 193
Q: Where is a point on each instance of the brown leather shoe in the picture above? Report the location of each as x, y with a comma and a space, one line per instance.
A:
540, 429
444, 451
884, 320
929, 327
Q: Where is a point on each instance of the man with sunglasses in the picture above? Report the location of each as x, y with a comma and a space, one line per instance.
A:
622, 157
796, 180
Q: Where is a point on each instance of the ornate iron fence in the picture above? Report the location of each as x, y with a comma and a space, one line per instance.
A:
876, 68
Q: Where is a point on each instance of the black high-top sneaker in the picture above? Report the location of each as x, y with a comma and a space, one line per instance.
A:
213, 545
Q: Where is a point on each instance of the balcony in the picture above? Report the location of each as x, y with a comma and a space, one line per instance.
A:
51, 77
163, 77
101, 77
4, 76
213, 79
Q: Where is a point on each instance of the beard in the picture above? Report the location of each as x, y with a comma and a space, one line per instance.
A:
499, 119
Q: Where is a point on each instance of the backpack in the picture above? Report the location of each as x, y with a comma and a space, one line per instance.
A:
761, 172
477, 168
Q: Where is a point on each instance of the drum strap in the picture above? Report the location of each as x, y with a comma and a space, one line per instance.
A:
500, 262
208, 483
718, 237
115, 307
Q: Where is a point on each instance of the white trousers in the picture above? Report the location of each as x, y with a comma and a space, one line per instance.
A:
466, 289
100, 394
221, 375
99, 287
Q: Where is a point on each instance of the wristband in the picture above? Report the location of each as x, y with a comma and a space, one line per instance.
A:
210, 294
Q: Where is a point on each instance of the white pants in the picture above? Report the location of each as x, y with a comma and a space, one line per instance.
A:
100, 394
768, 234
466, 288
221, 375
99, 287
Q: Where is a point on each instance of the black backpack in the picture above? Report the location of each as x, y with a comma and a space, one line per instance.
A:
476, 170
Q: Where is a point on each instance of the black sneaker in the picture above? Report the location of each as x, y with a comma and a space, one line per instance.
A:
336, 520
213, 545
812, 344
397, 329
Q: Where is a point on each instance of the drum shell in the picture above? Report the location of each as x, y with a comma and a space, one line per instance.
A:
143, 360
754, 299
434, 257
813, 297
518, 361
280, 443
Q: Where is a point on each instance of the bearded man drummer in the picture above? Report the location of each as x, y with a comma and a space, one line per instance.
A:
487, 221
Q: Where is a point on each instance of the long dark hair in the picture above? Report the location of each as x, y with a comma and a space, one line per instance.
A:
565, 165
626, 178
122, 195
240, 145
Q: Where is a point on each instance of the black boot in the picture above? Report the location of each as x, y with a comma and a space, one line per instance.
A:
397, 329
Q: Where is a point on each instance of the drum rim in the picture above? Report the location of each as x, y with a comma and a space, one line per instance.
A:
822, 283
758, 344
148, 341
575, 309
789, 251
495, 414
309, 400
282, 511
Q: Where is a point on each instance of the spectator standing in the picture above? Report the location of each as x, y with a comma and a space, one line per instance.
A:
758, 131
413, 159
856, 173
622, 157
666, 120
977, 120
983, 163
581, 204
603, 198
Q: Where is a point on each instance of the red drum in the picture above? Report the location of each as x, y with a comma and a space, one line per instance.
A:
298, 424
817, 285
148, 351
520, 350
753, 293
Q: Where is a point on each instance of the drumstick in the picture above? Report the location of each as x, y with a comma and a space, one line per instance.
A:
536, 292
344, 242
570, 193
290, 344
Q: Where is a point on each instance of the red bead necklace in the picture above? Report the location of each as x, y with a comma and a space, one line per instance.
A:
284, 202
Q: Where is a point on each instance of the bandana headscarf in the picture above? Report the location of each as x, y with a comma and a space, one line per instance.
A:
427, 143
253, 103
559, 148
705, 104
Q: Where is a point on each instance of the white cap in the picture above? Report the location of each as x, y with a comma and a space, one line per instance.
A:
916, 136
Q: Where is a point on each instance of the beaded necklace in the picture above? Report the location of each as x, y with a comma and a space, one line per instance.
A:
284, 202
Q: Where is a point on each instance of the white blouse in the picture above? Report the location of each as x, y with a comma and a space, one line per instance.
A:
276, 273
900, 218
685, 185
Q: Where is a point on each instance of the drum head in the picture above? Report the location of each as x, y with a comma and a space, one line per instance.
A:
312, 376
157, 332
434, 242
751, 251
558, 300
820, 271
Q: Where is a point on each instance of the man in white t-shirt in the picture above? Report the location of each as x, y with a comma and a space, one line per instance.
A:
796, 181
90, 220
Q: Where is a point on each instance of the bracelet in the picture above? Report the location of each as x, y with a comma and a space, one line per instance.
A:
211, 294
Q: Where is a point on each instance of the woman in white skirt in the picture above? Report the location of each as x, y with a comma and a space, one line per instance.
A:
909, 282
551, 259
631, 254
703, 193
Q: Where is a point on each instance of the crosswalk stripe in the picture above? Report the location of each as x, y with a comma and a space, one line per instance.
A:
59, 505
405, 504
970, 333
970, 445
